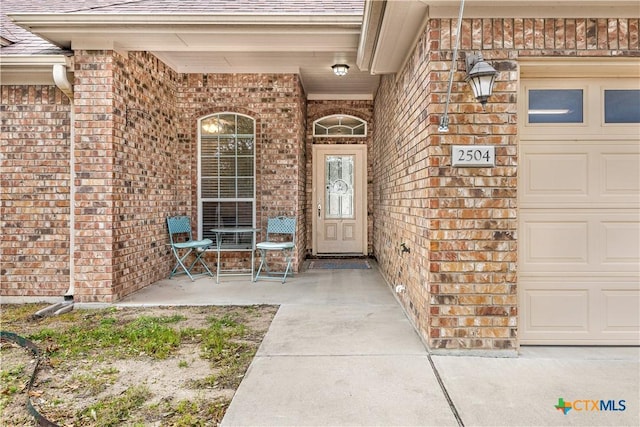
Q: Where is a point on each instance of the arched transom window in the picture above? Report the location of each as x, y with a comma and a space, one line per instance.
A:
226, 160
340, 125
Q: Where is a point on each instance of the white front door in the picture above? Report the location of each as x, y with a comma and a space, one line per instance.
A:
339, 199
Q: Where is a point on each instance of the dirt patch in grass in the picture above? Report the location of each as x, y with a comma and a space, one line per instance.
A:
159, 366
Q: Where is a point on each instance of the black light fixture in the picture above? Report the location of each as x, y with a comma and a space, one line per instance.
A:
481, 76
340, 69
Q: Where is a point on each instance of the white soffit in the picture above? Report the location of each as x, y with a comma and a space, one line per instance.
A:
391, 28
237, 43
402, 23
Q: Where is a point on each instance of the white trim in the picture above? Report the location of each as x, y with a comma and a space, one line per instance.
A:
166, 31
399, 30
578, 67
161, 20
373, 12
32, 60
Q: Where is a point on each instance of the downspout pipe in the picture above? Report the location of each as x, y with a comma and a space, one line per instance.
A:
62, 82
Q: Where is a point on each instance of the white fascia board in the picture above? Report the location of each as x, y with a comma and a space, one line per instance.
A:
401, 26
30, 19
30, 69
150, 32
372, 20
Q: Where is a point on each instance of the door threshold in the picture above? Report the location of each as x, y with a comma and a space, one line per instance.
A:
340, 255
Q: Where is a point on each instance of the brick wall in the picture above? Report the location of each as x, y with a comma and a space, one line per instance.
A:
276, 102
316, 110
136, 164
460, 277
152, 173
130, 172
34, 191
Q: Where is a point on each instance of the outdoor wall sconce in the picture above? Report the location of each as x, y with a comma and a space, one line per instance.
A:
481, 76
340, 69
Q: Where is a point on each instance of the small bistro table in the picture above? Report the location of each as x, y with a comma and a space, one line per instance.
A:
220, 247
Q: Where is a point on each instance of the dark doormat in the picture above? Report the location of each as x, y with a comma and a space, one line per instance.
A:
339, 264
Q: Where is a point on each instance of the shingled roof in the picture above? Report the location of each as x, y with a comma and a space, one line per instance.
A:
18, 41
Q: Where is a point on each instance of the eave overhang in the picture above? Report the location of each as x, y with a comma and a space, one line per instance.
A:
391, 28
192, 32
302, 44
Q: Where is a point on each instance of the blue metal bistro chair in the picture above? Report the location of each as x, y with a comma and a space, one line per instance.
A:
281, 236
182, 244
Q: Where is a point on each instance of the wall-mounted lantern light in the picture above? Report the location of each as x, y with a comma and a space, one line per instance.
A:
481, 76
340, 69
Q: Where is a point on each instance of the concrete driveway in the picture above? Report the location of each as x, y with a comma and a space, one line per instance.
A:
341, 352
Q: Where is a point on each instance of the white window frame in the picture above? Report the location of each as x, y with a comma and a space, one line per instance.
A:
350, 135
201, 199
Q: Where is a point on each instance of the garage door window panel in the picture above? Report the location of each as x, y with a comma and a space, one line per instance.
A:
622, 106
556, 106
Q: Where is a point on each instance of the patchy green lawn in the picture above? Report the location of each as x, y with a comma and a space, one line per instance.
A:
138, 366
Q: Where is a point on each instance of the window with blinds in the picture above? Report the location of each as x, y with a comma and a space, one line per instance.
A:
227, 175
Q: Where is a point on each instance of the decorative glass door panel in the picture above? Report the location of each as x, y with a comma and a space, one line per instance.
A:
339, 180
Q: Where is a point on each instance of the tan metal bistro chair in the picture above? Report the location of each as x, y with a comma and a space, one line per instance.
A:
285, 227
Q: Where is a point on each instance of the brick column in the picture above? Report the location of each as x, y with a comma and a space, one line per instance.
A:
472, 227
94, 175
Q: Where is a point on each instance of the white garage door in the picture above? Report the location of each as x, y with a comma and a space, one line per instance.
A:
579, 200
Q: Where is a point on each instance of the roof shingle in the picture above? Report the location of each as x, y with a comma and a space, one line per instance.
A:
25, 43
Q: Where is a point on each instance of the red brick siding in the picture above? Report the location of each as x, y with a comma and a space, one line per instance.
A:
131, 172
95, 159
461, 224
136, 164
34, 191
151, 170
276, 102
317, 109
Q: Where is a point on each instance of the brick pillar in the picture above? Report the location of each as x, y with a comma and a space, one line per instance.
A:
472, 230
94, 171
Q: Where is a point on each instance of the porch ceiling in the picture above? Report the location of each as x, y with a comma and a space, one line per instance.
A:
189, 43
376, 41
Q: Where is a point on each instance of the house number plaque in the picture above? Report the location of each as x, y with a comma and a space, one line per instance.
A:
476, 156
